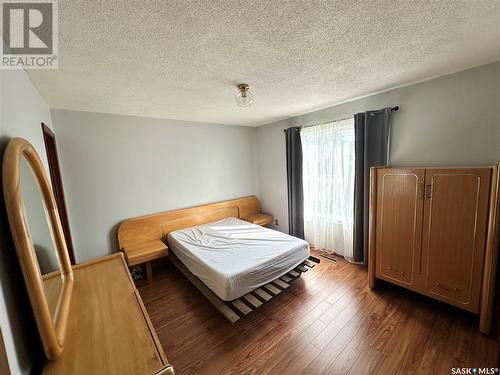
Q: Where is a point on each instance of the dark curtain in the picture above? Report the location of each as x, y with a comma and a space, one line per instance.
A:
371, 135
294, 182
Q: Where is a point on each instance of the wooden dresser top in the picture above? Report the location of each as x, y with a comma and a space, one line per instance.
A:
109, 331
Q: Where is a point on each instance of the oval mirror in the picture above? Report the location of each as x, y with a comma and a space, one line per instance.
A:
39, 241
42, 236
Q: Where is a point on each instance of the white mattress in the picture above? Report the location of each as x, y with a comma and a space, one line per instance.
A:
233, 257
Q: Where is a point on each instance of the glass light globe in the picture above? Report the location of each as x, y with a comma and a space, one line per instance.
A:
244, 98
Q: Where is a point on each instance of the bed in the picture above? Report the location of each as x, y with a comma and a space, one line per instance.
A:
238, 266
233, 257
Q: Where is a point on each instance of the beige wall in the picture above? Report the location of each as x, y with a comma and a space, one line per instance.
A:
117, 167
449, 121
21, 111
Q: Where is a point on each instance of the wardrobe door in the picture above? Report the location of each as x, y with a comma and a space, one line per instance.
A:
399, 224
455, 221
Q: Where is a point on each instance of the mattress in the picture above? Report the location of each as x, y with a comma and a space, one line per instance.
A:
232, 257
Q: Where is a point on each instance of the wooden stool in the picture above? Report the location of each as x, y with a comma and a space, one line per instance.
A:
144, 253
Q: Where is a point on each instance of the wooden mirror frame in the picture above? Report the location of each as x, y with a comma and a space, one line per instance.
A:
52, 330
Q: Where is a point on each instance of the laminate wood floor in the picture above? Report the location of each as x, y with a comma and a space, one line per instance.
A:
327, 322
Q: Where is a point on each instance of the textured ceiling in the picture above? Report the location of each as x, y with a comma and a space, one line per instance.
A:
182, 59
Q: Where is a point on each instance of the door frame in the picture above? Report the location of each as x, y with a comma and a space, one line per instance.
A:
49, 138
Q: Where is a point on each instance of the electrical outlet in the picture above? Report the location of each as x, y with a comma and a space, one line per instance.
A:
276, 222
136, 273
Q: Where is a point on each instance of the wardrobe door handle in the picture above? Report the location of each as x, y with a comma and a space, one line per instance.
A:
445, 287
392, 269
428, 191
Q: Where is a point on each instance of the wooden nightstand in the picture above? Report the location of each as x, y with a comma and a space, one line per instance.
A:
145, 253
259, 219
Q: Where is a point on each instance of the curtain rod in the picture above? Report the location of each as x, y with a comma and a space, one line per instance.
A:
321, 123
393, 109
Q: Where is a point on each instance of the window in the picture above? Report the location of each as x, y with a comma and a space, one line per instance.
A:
328, 178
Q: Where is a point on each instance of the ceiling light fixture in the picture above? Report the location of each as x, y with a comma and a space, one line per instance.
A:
244, 97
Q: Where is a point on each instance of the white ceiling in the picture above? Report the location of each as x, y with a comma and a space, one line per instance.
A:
183, 59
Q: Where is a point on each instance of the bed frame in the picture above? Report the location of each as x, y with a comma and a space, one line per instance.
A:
146, 229
234, 310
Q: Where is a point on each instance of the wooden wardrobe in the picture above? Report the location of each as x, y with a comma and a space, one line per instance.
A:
434, 231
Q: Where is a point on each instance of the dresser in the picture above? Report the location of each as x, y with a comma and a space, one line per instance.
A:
90, 317
108, 329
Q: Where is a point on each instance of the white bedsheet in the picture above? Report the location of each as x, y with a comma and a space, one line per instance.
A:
233, 257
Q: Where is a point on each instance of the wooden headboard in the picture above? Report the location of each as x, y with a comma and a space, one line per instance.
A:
156, 227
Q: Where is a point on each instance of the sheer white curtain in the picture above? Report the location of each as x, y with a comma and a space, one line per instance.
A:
328, 178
